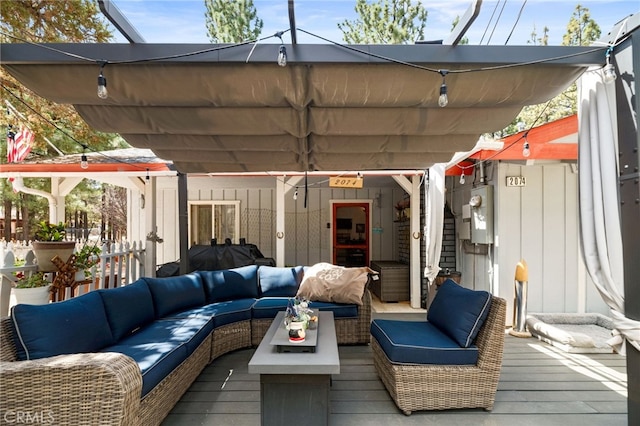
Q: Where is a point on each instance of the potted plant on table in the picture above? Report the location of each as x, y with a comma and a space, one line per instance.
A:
32, 289
49, 243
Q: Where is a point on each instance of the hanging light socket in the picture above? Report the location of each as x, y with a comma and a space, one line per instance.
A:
282, 56
462, 179
103, 93
609, 71
84, 162
443, 99
526, 152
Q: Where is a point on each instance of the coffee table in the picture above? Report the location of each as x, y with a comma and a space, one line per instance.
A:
294, 386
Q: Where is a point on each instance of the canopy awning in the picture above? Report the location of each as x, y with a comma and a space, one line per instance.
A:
330, 108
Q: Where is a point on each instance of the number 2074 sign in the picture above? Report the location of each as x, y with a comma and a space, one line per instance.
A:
516, 181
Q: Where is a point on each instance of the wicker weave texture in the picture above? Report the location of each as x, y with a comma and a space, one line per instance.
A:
155, 406
78, 389
416, 387
230, 337
7, 348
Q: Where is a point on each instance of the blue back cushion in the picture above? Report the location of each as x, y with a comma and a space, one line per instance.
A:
459, 312
279, 282
77, 325
174, 294
128, 308
231, 284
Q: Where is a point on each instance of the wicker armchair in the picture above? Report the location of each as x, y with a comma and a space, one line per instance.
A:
416, 387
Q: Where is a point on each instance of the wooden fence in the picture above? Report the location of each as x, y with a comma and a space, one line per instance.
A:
119, 264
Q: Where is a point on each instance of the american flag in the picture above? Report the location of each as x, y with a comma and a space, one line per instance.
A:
19, 144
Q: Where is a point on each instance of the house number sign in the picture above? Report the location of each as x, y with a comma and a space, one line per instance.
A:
345, 182
516, 181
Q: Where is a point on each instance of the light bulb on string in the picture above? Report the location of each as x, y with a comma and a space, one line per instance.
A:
295, 194
103, 93
609, 71
282, 56
462, 179
526, 152
443, 99
84, 162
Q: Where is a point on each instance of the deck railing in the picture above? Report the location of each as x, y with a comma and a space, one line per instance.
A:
119, 264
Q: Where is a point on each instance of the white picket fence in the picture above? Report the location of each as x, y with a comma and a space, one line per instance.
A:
120, 264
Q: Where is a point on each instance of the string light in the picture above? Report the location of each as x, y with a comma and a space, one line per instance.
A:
103, 93
84, 162
609, 71
295, 194
443, 99
147, 176
526, 152
282, 52
462, 180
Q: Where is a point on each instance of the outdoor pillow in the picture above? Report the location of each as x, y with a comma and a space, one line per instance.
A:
231, 284
459, 311
173, 294
325, 282
128, 307
77, 325
279, 282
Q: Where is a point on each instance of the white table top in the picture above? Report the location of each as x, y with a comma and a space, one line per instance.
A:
325, 360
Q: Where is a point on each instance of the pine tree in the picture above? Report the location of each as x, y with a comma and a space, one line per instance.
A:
232, 21
385, 22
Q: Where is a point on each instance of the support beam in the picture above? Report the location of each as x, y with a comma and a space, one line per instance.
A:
464, 23
283, 186
113, 14
292, 22
183, 226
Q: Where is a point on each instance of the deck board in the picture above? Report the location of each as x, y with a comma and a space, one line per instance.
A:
539, 385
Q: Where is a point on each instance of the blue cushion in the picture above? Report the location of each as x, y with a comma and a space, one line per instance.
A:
459, 312
279, 282
162, 346
74, 326
419, 342
231, 284
340, 310
176, 293
268, 307
128, 307
221, 313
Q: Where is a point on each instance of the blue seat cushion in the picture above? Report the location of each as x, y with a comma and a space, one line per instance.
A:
221, 313
230, 284
77, 325
173, 294
268, 307
419, 342
162, 345
459, 311
128, 308
279, 282
340, 310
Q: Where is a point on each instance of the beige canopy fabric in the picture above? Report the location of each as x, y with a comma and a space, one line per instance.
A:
334, 114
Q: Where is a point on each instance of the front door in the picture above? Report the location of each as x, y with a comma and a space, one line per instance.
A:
351, 229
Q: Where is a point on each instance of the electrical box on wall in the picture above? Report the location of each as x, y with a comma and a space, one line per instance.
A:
481, 203
464, 228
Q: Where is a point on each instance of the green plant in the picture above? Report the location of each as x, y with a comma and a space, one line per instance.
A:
50, 231
32, 281
87, 257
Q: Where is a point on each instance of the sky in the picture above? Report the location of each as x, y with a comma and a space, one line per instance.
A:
183, 21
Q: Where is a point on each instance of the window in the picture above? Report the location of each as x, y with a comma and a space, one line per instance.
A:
214, 219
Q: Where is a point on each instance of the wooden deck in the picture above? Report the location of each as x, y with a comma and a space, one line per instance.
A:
539, 385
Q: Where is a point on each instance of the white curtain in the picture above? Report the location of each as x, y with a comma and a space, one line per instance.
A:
434, 220
600, 228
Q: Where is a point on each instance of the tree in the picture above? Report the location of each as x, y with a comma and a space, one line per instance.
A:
232, 21
385, 22
42, 21
581, 31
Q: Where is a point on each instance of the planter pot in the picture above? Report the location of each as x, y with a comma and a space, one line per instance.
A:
32, 296
47, 250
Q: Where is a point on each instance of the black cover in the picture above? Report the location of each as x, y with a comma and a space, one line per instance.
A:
222, 256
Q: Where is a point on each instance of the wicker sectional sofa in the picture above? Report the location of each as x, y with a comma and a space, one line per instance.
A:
125, 356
